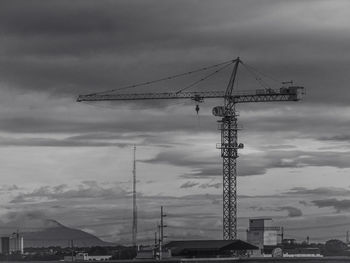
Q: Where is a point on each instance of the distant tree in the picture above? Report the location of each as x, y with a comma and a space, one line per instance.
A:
335, 247
125, 253
98, 251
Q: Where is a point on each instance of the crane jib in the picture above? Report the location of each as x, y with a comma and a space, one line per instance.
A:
292, 93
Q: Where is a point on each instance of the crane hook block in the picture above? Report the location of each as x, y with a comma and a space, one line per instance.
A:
197, 108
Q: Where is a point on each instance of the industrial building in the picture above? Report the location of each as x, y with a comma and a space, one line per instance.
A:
12, 244
302, 252
81, 256
209, 248
262, 234
16, 243
5, 245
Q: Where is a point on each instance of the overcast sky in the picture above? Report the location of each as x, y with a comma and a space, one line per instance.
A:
72, 161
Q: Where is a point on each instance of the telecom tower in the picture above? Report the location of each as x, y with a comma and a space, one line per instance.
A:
228, 124
134, 207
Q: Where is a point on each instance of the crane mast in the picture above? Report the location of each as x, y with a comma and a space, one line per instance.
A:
229, 145
229, 154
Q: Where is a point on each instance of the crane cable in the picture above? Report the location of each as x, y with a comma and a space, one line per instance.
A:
262, 83
165, 78
256, 74
204, 78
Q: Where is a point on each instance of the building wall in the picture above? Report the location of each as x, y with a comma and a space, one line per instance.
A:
270, 237
259, 235
16, 244
86, 257
5, 245
256, 223
256, 238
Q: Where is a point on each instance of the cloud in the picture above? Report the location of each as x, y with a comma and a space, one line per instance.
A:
189, 184
304, 203
211, 185
292, 211
83, 47
337, 138
86, 190
254, 163
201, 166
33, 220
50, 142
322, 191
338, 205
8, 188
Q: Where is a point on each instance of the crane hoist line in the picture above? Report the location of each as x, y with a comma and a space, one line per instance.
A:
229, 145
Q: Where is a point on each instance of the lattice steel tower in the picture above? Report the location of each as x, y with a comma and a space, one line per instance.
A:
134, 207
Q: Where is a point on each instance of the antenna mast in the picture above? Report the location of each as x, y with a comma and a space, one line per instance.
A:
134, 208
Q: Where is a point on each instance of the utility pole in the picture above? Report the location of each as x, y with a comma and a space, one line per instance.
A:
159, 243
155, 244
134, 207
72, 248
347, 238
282, 234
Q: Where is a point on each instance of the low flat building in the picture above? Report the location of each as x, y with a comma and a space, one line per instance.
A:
209, 248
302, 252
81, 256
146, 253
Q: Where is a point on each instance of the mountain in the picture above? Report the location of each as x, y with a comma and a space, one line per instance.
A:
53, 233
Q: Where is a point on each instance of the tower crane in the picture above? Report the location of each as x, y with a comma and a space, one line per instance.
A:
229, 145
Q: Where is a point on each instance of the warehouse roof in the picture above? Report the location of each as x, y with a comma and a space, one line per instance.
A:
220, 245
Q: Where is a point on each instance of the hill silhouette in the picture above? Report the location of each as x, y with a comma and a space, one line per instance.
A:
52, 233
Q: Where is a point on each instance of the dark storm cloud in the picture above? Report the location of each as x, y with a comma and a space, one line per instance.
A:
81, 46
38, 142
336, 138
254, 163
37, 219
84, 46
200, 167
259, 163
178, 159
323, 191
294, 119
292, 211
338, 205
88, 189
9, 188
88, 140
189, 184
211, 185
145, 122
